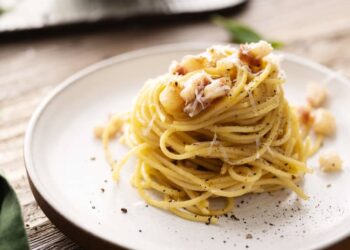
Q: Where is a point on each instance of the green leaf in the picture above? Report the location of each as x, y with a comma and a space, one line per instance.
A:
12, 233
241, 33
276, 44
2, 10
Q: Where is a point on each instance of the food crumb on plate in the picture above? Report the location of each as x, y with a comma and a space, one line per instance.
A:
324, 122
316, 94
249, 236
330, 162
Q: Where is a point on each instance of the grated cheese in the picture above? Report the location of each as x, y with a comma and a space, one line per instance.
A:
212, 143
223, 153
150, 125
251, 100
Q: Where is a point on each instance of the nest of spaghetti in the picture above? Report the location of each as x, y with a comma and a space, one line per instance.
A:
216, 126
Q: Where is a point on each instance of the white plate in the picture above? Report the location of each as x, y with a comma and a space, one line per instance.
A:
59, 144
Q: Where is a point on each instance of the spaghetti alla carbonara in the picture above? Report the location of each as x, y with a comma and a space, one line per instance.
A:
216, 126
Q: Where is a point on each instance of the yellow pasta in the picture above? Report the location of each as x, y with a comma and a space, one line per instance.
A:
237, 135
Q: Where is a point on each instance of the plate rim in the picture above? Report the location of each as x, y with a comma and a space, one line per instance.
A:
48, 206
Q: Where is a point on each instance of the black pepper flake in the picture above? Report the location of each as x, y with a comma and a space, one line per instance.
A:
224, 241
93, 158
140, 231
249, 236
242, 201
329, 185
234, 217
124, 210
102, 190
93, 207
105, 181
243, 187
212, 238
146, 205
246, 246
209, 221
271, 224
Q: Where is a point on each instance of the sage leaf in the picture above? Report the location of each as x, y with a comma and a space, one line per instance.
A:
241, 33
12, 233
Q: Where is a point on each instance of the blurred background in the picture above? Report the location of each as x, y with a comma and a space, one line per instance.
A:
42, 42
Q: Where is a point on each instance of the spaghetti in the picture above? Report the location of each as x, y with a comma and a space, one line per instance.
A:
217, 126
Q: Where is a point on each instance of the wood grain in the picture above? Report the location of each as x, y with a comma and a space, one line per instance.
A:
31, 68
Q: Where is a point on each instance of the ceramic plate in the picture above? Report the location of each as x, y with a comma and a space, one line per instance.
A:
72, 182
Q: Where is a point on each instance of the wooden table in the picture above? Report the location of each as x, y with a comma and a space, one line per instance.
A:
31, 67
